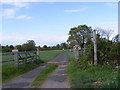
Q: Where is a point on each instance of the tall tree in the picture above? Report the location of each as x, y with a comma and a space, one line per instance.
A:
63, 45
19, 47
104, 33
29, 46
79, 35
45, 46
58, 46
11, 47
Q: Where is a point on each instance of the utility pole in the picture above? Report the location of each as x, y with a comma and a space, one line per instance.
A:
95, 47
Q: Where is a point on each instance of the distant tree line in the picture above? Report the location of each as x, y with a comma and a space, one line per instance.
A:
28, 46
31, 46
56, 47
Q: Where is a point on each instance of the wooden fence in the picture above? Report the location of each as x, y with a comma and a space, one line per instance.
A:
21, 57
7, 57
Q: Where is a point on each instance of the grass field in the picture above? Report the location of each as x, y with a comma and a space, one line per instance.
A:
93, 76
7, 57
10, 70
44, 55
49, 54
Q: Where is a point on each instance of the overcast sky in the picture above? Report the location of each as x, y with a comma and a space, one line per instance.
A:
48, 23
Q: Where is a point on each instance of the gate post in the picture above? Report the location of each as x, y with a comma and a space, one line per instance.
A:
95, 47
76, 50
34, 55
16, 58
38, 53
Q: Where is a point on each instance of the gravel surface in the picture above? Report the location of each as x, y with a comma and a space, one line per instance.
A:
58, 79
25, 80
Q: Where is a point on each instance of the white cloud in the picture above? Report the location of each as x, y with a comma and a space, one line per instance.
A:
112, 5
23, 17
21, 4
17, 4
82, 8
8, 13
40, 39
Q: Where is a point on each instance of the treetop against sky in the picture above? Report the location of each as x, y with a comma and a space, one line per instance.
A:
49, 22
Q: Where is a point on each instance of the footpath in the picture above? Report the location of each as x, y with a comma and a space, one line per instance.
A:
24, 81
57, 79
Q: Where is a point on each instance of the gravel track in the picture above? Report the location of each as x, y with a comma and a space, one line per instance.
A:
58, 79
24, 81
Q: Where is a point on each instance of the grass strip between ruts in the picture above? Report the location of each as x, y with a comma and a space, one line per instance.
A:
43, 74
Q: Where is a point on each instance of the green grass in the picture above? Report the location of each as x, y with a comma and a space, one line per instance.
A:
92, 77
7, 57
11, 57
43, 74
10, 70
44, 55
49, 54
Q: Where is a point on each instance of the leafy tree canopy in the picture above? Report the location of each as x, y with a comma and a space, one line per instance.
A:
79, 35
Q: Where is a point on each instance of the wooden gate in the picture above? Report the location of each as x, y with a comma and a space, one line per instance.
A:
25, 57
20, 57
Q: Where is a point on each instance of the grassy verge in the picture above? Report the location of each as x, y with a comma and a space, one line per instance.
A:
43, 74
10, 70
104, 76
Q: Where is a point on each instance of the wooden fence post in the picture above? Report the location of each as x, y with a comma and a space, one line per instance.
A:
34, 54
38, 53
16, 58
95, 47
25, 61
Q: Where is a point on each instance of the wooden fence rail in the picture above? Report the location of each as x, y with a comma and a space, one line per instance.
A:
10, 55
6, 54
25, 57
22, 57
